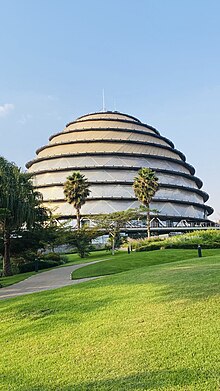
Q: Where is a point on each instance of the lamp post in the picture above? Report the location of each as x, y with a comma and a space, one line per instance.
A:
36, 265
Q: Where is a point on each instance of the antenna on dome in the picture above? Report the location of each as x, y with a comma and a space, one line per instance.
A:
103, 100
115, 105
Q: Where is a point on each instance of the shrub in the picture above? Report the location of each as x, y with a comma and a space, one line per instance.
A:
16, 263
30, 266
150, 247
207, 239
52, 257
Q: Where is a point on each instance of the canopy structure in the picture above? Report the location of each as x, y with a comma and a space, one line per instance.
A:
109, 148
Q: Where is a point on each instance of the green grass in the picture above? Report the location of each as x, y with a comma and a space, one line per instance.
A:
151, 328
122, 261
6, 281
94, 256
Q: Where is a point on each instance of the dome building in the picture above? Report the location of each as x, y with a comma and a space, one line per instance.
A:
109, 148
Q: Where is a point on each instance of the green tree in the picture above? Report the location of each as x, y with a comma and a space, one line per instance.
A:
20, 206
115, 240
76, 191
81, 239
114, 222
145, 186
55, 233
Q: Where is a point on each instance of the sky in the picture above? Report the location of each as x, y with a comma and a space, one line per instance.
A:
156, 60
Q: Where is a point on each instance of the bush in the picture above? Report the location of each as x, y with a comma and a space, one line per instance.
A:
52, 257
207, 239
16, 263
30, 266
150, 247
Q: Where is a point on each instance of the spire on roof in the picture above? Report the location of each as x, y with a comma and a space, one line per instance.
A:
103, 100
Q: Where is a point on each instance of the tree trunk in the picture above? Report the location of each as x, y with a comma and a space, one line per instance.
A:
6, 260
148, 224
78, 218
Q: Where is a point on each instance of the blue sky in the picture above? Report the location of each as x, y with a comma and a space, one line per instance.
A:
157, 60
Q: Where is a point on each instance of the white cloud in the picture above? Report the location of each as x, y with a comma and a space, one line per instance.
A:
24, 119
51, 97
5, 109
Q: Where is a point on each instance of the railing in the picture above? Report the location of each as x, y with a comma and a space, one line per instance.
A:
171, 225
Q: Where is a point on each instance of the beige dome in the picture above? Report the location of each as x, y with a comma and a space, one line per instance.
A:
109, 148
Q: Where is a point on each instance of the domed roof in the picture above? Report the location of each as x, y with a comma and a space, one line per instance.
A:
109, 148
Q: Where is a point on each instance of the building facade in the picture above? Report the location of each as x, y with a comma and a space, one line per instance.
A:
109, 148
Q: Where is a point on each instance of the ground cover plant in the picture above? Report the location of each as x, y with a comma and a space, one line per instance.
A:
152, 328
122, 261
207, 239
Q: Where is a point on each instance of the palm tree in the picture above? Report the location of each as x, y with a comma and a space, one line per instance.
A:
76, 190
19, 205
145, 186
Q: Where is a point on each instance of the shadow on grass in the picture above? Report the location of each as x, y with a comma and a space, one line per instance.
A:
149, 380
186, 282
50, 309
71, 304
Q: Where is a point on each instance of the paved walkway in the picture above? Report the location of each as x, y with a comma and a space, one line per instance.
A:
51, 279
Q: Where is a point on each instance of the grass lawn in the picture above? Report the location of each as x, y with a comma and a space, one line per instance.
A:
73, 259
150, 328
122, 261
6, 281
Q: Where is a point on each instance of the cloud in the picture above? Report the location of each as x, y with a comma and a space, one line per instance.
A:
24, 119
5, 109
51, 97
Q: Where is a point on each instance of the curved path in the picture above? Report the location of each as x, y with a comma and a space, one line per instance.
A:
44, 281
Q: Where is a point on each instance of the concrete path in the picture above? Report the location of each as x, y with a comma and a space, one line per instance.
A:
51, 279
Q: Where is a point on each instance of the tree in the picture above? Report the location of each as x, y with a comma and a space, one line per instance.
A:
55, 233
115, 240
113, 222
145, 186
76, 190
20, 206
81, 239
